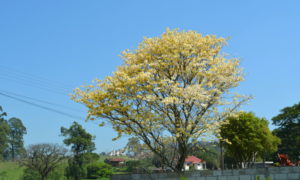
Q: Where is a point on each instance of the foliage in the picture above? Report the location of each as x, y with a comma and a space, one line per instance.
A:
208, 151
289, 131
175, 85
15, 138
30, 174
11, 137
138, 166
4, 129
98, 170
10, 170
81, 142
43, 158
133, 146
247, 138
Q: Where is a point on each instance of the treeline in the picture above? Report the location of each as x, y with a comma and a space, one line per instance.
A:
244, 140
51, 161
11, 137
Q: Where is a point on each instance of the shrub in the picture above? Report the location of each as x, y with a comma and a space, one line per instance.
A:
98, 170
30, 174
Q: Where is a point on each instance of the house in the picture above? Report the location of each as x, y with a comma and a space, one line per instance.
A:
192, 162
115, 162
119, 152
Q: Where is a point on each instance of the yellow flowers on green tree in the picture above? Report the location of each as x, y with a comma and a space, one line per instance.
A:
177, 86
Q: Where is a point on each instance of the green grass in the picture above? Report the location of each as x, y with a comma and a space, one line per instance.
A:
10, 170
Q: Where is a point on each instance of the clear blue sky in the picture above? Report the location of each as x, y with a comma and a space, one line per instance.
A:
47, 48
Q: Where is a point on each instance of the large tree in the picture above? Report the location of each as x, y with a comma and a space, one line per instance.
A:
81, 142
43, 158
175, 85
15, 137
247, 137
289, 131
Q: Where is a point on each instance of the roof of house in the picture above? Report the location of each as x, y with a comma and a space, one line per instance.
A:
193, 159
116, 159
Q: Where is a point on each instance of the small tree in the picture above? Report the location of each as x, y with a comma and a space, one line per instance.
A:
43, 158
175, 85
248, 137
81, 142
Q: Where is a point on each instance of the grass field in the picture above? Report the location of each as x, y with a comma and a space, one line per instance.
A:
10, 171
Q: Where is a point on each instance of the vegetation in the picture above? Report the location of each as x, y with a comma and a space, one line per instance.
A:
15, 138
177, 84
98, 170
42, 159
247, 137
4, 129
81, 142
11, 137
171, 93
289, 131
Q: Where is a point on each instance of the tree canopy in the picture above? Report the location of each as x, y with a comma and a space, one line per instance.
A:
43, 158
79, 140
248, 137
15, 137
11, 136
4, 129
175, 85
289, 131
81, 143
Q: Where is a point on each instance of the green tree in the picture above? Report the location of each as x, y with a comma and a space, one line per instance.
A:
208, 151
4, 130
15, 137
81, 142
175, 85
98, 170
43, 159
133, 146
289, 131
248, 137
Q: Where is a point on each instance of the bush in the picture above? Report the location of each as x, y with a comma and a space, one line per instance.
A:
30, 174
98, 170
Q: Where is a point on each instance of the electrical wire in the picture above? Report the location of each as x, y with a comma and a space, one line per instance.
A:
41, 101
41, 106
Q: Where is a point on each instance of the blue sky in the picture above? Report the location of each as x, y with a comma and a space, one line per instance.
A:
47, 48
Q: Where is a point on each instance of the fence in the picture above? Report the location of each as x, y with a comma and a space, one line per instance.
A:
274, 173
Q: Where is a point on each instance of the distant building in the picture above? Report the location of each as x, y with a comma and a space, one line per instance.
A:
192, 162
119, 152
115, 162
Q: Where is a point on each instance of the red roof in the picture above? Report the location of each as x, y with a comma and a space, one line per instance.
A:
116, 160
193, 159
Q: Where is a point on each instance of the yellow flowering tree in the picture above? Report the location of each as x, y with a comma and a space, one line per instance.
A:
175, 86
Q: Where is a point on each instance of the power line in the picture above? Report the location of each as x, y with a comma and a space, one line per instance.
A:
39, 100
42, 107
34, 85
47, 108
31, 80
31, 76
